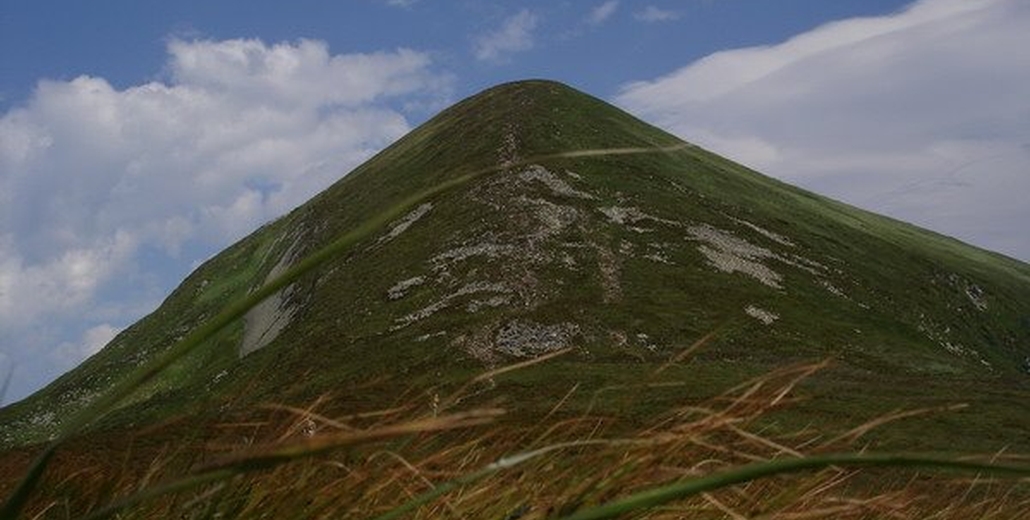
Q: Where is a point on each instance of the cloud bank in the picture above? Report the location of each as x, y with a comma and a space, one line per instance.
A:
93, 178
922, 115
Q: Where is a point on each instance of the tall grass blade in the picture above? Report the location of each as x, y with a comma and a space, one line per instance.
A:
501, 464
14, 504
190, 482
271, 456
265, 458
661, 495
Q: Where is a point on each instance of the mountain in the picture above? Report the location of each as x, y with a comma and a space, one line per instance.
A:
561, 222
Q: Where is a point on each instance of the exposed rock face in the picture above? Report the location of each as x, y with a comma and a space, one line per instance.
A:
526, 339
266, 320
500, 264
550, 223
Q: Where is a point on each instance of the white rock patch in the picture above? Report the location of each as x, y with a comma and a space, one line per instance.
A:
942, 335
527, 338
731, 263
730, 254
553, 218
645, 340
400, 288
470, 288
405, 222
458, 254
977, 297
775, 237
475, 306
761, 315
421, 314
631, 215
556, 184
833, 289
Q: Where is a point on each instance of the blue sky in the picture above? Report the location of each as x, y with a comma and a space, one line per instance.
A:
124, 41
139, 137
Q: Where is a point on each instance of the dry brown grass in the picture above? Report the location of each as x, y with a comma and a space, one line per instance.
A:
289, 462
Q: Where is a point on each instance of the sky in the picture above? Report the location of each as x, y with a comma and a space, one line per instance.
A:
139, 137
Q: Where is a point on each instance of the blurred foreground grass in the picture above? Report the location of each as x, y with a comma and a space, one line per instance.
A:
438, 459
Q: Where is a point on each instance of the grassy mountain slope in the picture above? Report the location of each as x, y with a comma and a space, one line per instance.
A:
587, 229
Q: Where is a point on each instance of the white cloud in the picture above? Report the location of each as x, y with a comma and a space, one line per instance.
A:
921, 114
514, 35
656, 14
62, 284
602, 12
92, 177
296, 75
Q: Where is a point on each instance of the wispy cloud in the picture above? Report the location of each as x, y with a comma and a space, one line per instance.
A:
920, 114
656, 14
603, 12
514, 35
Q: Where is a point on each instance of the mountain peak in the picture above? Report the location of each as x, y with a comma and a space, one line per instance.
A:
566, 223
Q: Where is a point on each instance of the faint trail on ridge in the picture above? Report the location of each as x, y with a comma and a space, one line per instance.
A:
614, 151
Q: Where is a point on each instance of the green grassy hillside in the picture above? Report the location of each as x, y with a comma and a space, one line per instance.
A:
586, 231
626, 256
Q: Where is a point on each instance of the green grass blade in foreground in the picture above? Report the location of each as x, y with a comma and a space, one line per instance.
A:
20, 496
739, 475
